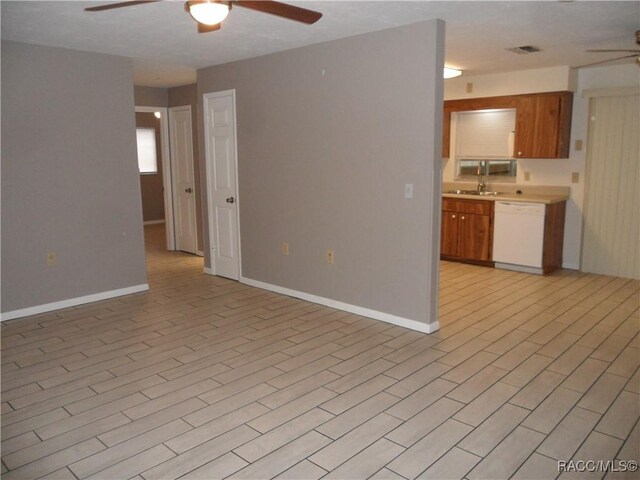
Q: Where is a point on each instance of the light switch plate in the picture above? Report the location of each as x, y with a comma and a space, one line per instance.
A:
408, 190
575, 177
527, 176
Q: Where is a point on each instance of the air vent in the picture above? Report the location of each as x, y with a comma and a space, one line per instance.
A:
524, 49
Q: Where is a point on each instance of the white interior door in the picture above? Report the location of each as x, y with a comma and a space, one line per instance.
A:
184, 191
222, 186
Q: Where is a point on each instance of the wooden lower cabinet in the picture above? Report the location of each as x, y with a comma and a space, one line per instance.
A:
467, 233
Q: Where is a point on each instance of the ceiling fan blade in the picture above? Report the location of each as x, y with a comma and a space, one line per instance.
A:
610, 51
202, 28
281, 10
111, 6
607, 61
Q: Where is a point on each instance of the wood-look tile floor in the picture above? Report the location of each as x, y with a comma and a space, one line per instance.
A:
205, 378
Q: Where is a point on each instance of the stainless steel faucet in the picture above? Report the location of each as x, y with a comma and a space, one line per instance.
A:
481, 183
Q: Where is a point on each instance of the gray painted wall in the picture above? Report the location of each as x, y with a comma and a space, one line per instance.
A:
151, 97
69, 176
328, 135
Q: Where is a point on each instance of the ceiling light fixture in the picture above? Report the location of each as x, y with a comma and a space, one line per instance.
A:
208, 12
451, 72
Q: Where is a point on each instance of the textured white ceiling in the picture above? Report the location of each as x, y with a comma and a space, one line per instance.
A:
162, 38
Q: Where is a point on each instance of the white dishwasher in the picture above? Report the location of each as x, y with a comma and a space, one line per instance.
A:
518, 236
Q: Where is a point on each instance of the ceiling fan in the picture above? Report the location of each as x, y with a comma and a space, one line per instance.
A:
634, 53
210, 13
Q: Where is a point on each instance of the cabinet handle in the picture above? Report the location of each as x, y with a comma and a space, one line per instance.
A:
462, 218
453, 216
519, 153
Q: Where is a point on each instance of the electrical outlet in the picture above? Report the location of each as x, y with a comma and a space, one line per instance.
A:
330, 257
52, 259
527, 176
575, 177
469, 87
578, 145
285, 248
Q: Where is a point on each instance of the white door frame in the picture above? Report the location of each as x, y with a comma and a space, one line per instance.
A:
209, 170
166, 171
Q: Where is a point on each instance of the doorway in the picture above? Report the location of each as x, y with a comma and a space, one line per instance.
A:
176, 177
165, 171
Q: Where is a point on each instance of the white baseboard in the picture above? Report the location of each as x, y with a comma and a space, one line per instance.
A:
571, 266
153, 222
365, 312
72, 302
200, 253
208, 271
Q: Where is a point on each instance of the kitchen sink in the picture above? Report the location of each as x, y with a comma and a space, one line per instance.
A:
471, 192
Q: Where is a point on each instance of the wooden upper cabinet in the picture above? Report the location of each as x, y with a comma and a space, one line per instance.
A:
543, 122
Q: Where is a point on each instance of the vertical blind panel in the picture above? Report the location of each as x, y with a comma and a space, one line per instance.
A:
485, 133
611, 240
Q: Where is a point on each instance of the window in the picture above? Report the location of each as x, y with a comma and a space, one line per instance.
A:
493, 169
147, 160
484, 141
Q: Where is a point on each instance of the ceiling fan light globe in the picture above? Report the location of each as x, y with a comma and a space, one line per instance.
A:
208, 12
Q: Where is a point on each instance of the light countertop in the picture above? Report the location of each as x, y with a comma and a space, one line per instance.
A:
508, 192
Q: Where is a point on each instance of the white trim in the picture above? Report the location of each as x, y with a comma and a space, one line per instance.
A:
153, 222
571, 266
200, 253
208, 167
208, 271
72, 302
166, 171
365, 312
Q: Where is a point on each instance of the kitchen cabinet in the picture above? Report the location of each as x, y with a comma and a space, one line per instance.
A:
466, 233
543, 122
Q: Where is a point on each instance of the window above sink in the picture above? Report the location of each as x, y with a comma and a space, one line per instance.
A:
492, 169
484, 144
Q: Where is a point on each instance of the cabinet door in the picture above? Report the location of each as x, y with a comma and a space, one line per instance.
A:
537, 126
474, 234
449, 234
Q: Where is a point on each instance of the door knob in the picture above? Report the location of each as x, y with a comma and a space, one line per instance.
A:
188, 190
231, 200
